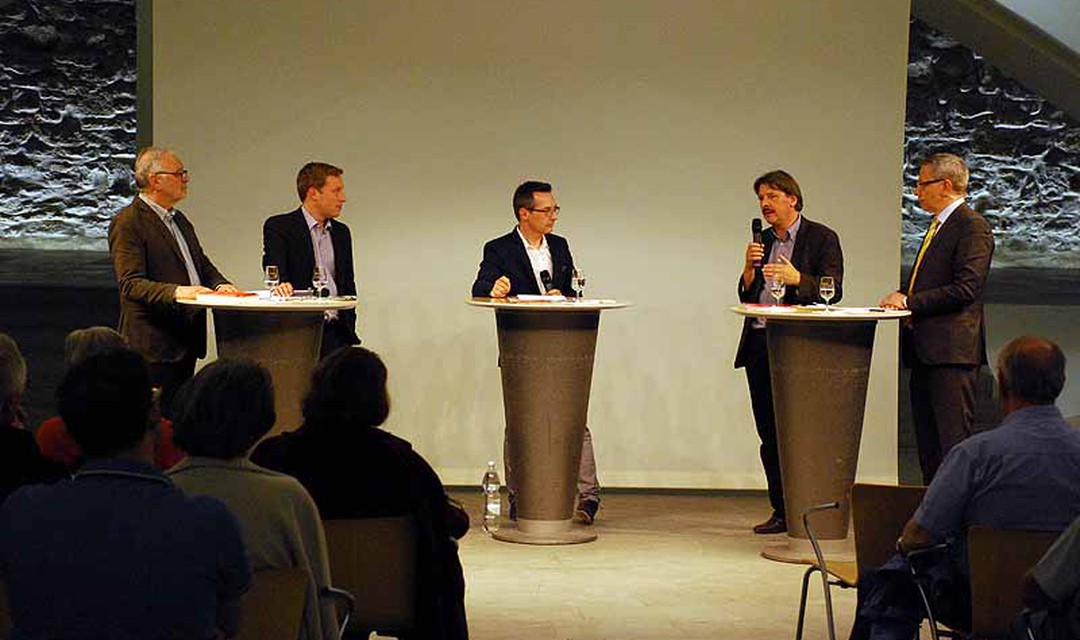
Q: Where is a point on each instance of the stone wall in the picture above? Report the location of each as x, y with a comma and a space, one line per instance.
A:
67, 120
1023, 153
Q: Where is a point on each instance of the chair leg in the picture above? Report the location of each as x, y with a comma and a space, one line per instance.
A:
828, 605
802, 601
929, 612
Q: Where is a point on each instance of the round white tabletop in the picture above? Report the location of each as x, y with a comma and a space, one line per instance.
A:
266, 303
538, 304
818, 313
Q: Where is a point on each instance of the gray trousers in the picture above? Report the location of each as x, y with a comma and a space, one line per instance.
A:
588, 485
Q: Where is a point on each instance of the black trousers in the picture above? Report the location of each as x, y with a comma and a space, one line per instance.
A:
170, 376
335, 336
759, 380
943, 410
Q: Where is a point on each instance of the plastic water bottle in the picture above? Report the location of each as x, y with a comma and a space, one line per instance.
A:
492, 499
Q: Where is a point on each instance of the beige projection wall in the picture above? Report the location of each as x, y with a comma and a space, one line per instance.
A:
651, 118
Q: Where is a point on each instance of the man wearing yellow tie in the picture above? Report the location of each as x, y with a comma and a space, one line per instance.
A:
945, 341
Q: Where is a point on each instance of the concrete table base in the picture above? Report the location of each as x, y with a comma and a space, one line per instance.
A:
286, 343
544, 532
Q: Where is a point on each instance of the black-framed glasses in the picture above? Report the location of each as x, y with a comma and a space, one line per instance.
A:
927, 183
547, 212
182, 174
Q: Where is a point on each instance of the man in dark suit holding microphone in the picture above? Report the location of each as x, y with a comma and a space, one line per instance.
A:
310, 236
158, 260
532, 260
944, 344
798, 251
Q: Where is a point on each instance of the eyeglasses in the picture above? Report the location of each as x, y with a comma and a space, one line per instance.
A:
927, 183
547, 212
182, 174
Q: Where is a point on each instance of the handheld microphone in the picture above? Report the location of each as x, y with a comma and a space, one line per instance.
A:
545, 278
755, 230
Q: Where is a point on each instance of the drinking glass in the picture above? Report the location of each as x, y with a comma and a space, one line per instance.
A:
827, 289
577, 283
318, 280
776, 288
271, 277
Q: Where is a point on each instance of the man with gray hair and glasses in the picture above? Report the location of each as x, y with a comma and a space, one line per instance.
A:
158, 260
944, 341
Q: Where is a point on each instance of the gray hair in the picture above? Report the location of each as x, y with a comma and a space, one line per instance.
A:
950, 166
80, 344
147, 162
12, 369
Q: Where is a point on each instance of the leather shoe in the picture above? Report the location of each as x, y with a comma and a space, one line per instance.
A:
775, 524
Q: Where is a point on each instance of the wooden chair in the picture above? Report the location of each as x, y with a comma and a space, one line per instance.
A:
375, 559
878, 514
998, 561
273, 608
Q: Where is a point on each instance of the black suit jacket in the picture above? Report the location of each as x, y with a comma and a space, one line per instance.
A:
506, 256
287, 243
149, 266
816, 253
947, 326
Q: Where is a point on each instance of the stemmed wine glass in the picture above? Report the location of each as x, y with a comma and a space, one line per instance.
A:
827, 289
577, 283
271, 278
777, 288
318, 280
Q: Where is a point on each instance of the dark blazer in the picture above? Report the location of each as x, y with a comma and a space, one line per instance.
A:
817, 253
947, 326
287, 243
505, 256
149, 267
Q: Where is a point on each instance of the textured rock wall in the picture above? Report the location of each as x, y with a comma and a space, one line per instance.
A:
1023, 153
67, 135
67, 120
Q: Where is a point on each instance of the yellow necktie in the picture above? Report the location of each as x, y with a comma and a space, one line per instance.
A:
922, 251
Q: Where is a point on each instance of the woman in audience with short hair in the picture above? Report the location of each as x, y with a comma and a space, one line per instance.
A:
52, 436
219, 416
354, 469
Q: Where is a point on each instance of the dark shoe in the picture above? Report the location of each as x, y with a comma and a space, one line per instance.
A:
512, 500
775, 524
586, 511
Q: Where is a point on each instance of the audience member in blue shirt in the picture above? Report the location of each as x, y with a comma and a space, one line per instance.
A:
1024, 474
117, 551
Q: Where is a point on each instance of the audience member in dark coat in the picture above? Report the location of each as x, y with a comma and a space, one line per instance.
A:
20, 460
353, 469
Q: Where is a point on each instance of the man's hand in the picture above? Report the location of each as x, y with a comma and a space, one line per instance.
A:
283, 290
553, 292
894, 300
190, 292
225, 287
755, 252
783, 270
501, 287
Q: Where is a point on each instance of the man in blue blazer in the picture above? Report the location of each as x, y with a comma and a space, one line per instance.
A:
944, 343
799, 251
532, 260
313, 235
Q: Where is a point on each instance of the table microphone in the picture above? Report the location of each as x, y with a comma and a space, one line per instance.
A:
545, 278
755, 230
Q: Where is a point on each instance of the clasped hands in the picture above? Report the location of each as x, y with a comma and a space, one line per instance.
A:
190, 292
502, 287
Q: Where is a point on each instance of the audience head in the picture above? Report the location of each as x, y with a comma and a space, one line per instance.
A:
80, 344
781, 181
348, 389
224, 410
1030, 371
105, 402
523, 195
12, 381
